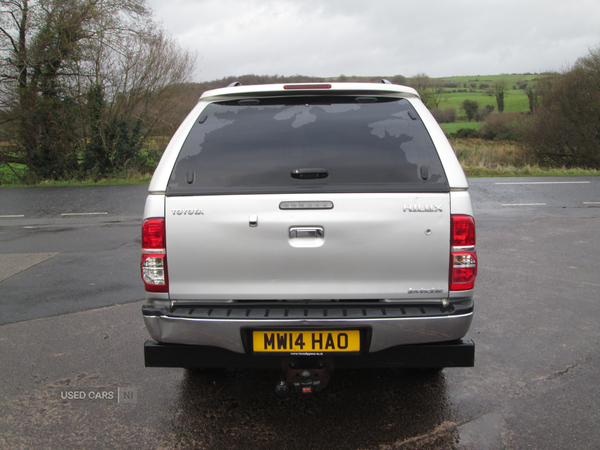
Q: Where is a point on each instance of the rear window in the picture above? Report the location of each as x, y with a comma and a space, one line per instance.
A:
307, 145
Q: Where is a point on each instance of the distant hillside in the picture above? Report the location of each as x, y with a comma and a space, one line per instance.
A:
458, 89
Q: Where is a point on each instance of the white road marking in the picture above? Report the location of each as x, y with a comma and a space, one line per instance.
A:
591, 203
84, 214
546, 182
11, 216
523, 204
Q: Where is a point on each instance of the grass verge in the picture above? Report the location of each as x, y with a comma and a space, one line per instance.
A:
482, 158
132, 179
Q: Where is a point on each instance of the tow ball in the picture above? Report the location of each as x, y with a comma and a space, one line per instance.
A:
305, 377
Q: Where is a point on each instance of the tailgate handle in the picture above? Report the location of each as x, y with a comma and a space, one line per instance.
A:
309, 174
307, 232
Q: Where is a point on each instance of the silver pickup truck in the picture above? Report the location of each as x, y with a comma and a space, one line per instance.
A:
307, 227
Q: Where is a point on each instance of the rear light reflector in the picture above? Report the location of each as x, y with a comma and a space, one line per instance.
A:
463, 257
154, 272
154, 255
307, 86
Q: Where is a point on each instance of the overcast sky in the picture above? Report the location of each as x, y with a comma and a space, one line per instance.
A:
380, 37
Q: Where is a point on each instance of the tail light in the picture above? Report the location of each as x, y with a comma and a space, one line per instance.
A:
463, 257
154, 255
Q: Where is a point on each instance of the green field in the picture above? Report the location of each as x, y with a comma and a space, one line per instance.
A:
515, 99
454, 127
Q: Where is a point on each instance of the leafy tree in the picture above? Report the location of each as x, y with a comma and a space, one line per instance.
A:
532, 95
497, 90
470, 108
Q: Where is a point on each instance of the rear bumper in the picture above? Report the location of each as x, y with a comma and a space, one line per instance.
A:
389, 325
447, 354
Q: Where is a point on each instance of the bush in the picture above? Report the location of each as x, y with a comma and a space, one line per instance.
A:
465, 133
446, 116
482, 114
502, 126
470, 107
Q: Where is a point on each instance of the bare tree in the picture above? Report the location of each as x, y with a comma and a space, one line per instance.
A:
56, 56
431, 91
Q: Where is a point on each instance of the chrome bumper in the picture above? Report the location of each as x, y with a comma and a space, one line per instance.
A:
390, 326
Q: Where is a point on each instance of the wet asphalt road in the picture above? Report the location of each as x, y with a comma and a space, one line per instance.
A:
71, 340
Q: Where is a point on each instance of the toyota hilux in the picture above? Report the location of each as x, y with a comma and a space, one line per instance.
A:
308, 227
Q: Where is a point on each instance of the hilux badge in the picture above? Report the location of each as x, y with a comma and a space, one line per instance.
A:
422, 208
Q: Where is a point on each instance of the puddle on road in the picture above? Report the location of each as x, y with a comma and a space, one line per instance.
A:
368, 409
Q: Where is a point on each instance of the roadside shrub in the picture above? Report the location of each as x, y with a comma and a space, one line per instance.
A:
147, 159
505, 126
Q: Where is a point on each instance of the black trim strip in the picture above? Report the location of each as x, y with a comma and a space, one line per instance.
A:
444, 354
269, 311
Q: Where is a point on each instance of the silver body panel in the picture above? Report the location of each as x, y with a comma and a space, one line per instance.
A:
366, 251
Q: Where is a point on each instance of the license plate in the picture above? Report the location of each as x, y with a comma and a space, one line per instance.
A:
313, 341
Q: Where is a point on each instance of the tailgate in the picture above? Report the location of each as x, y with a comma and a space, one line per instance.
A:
319, 247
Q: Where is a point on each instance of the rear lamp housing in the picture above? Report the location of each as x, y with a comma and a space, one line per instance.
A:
154, 255
463, 257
